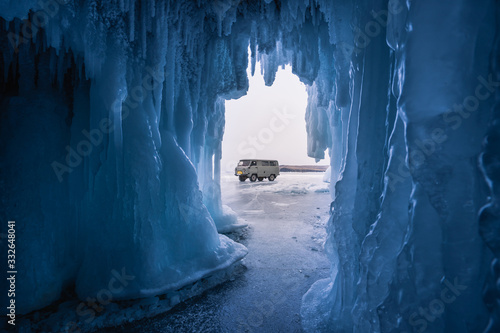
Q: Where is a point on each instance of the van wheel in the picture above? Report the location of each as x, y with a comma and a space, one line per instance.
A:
272, 177
261, 179
253, 178
242, 178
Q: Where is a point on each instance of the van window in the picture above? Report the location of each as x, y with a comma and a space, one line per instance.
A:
244, 163
265, 163
253, 163
273, 163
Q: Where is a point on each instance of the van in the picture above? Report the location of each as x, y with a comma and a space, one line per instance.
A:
257, 169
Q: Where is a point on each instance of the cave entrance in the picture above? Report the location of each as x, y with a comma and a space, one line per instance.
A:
286, 218
267, 123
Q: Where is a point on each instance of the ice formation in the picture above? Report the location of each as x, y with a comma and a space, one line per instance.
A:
402, 94
110, 132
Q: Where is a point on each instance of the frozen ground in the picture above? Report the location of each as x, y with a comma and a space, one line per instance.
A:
286, 221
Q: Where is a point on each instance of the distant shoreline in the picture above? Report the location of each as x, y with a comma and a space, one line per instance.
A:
303, 168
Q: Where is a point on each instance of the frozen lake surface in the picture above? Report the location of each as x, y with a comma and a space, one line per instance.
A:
286, 228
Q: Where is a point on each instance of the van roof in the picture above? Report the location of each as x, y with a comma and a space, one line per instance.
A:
249, 159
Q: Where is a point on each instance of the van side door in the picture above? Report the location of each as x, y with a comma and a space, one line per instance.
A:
253, 168
265, 169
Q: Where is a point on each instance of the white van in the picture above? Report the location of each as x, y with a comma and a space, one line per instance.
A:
257, 169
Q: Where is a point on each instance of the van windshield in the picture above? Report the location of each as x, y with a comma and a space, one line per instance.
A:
244, 163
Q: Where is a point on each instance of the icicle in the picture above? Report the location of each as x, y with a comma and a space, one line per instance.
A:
152, 8
144, 19
61, 68
131, 20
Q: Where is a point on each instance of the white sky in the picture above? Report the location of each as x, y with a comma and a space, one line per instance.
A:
267, 123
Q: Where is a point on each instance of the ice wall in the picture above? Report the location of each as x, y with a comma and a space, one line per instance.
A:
403, 95
407, 245
407, 93
111, 118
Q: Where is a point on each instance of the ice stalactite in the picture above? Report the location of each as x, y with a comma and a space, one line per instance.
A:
400, 95
393, 268
489, 218
103, 100
445, 126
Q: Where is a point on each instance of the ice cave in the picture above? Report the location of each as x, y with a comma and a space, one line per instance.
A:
112, 118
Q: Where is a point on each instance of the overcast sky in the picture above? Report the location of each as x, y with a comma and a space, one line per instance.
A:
268, 123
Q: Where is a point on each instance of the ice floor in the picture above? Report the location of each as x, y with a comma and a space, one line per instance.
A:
286, 221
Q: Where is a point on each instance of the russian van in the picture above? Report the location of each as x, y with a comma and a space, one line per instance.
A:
257, 169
